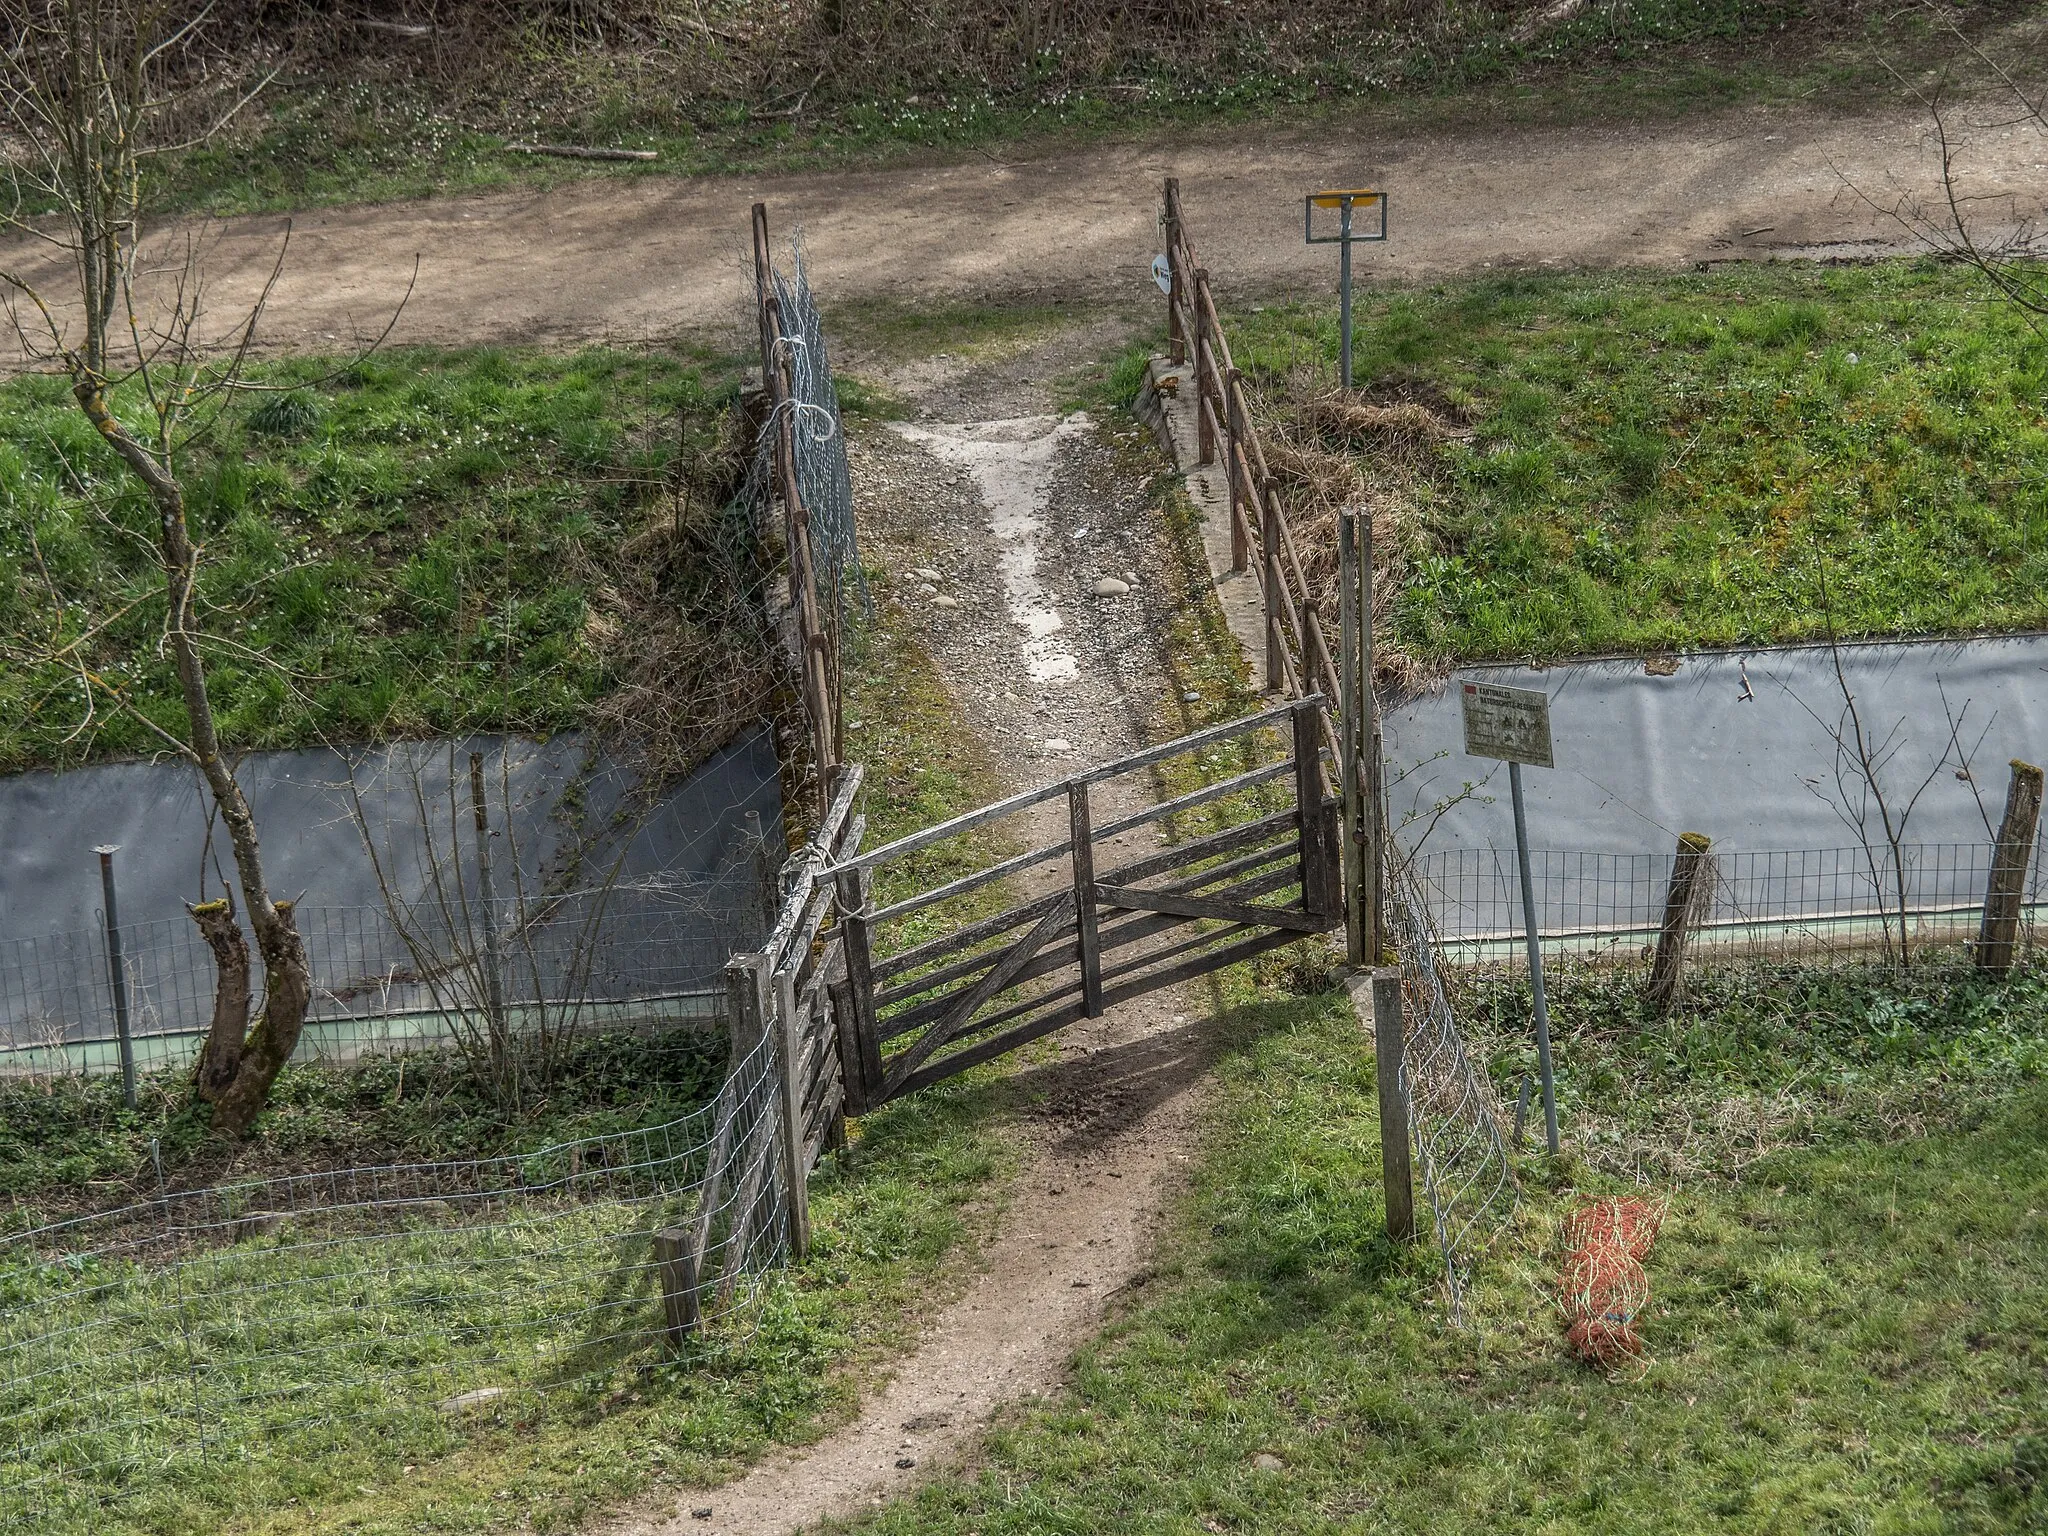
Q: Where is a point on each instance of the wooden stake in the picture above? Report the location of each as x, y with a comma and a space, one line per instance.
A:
1691, 884
2004, 895
1176, 338
796, 1168
1348, 754
1396, 1171
675, 1265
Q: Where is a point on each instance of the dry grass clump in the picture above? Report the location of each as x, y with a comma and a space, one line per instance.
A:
680, 611
1330, 448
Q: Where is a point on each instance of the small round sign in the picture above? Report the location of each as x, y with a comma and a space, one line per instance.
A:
1162, 274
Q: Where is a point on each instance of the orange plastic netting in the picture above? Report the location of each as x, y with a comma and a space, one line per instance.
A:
1603, 1289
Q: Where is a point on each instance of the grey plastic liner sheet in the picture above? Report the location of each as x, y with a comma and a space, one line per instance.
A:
1737, 745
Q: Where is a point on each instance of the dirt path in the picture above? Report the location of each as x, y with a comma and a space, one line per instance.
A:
991, 528
645, 258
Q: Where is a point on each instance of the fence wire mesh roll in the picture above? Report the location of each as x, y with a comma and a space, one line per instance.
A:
1821, 905
1467, 1175
824, 479
240, 1320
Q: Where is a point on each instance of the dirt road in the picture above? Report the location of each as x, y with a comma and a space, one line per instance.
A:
645, 258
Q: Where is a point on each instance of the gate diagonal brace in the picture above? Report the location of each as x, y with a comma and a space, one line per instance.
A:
1000, 977
1135, 900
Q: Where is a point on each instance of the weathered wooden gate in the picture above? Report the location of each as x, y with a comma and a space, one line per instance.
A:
956, 948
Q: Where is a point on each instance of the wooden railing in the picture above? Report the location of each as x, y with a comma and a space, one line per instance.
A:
1298, 656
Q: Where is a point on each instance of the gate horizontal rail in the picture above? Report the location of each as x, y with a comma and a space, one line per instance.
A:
1111, 920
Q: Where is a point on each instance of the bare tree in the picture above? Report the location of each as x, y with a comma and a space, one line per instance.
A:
91, 87
1868, 797
1962, 224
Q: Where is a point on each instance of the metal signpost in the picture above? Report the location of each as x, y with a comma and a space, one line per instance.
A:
1513, 725
1348, 230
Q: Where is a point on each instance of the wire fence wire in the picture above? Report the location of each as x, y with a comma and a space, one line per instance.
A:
1454, 1116
245, 1320
1817, 905
647, 952
824, 479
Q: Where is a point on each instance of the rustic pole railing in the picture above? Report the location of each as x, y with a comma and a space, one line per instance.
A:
819, 661
2005, 893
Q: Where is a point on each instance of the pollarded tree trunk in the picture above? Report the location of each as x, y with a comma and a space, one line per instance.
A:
239, 1089
221, 1057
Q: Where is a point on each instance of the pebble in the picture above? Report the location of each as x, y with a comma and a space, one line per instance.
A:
1109, 586
945, 602
925, 573
1266, 1461
464, 1401
1058, 744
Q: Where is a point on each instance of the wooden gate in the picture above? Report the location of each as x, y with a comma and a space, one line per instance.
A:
979, 945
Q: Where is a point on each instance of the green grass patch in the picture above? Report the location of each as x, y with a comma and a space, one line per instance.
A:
356, 1336
417, 543
1847, 1339
68, 1143
1763, 1057
1713, 458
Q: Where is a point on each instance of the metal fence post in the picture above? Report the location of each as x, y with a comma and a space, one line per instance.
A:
117, 973
1998, 937
1396, 1167
1531, 927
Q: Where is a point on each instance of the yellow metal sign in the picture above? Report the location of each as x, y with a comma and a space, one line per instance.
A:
1360, 197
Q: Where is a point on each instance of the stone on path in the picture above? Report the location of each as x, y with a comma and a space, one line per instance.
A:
1109, 586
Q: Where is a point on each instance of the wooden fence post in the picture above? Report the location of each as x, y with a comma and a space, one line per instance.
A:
1083, 857
1239, 468
1397, 1172
1205, 368
1348, 754
1269, 536
796, 1168
1691, 885
1231, 427
1176, 338
675, 1267
2005, 893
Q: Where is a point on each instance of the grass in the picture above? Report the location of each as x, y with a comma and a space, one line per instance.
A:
1845, 1339
418, 543
1765, 1057
891, 1218
68, 1144
1713, 458
362, 1332
372, 131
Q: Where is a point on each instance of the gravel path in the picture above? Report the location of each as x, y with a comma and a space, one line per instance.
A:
628, 260
992, 534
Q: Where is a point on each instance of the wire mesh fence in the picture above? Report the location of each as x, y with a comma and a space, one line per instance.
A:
1467, 1175
1819, 905
645, 952
235, 1321
824, 479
